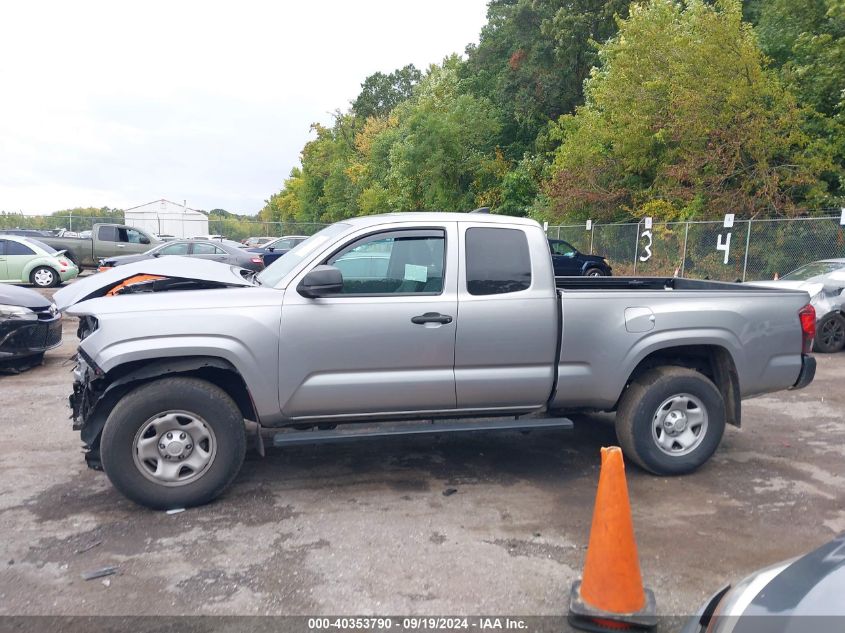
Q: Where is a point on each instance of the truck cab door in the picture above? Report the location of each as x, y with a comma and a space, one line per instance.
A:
506, 341
105, 242
383, 345
131, 241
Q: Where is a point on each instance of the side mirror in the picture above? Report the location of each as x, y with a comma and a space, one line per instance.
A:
272, 249
157, 254
145, 240
321, 281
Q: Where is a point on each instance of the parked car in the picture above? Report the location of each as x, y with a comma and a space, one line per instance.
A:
216, 251
466, 320
271, 251
107, 240
824, 281
165, 237
569, 261
29, 326
253, 242
802, 594
26, 232
30, 261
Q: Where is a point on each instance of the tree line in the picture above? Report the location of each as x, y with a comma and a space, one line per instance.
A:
602, 109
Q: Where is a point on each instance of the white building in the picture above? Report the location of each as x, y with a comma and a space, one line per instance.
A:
163, 217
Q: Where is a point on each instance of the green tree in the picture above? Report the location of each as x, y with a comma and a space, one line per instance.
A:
441, 151
683, 110
532, 59
381, 93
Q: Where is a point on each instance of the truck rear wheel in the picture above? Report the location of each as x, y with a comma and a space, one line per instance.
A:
173, 443
670, 420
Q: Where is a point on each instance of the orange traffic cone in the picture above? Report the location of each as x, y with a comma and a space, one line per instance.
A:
611, 596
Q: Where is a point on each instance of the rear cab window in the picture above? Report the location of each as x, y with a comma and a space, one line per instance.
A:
498, 261
107, 234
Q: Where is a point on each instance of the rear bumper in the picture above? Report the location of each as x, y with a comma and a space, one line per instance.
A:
808, 372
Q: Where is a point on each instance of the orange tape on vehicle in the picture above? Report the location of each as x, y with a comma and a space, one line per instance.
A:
131, 281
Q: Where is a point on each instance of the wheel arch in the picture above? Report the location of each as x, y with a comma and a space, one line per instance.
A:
125, 377
713, 361
31, 266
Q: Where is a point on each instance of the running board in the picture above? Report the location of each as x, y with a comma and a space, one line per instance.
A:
293, 438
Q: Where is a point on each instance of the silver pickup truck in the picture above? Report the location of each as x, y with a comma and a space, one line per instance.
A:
403, 317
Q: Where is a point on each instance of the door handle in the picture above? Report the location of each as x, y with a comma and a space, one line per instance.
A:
431, 317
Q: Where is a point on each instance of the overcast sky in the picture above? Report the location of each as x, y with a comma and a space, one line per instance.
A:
118, 103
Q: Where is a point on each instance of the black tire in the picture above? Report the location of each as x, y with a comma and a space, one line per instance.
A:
134, 410
54, 278
640, 406
594, 272
830, 334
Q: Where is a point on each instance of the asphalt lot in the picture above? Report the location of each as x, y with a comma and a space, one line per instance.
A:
365, 528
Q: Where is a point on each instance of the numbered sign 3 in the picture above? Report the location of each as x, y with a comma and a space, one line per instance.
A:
646, 236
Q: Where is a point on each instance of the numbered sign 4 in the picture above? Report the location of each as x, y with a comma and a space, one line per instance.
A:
724, 246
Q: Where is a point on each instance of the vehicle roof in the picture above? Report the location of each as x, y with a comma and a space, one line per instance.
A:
833, 260
23, 239
440, 216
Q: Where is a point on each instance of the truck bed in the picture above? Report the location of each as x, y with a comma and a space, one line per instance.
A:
647, 283
611, 324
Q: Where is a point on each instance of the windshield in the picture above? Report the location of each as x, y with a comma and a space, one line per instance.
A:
815, 269
44, 247
274, 273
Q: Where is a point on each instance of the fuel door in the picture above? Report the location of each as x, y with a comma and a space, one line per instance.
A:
639, 319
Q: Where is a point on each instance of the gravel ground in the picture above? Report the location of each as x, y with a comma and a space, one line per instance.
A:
365, 528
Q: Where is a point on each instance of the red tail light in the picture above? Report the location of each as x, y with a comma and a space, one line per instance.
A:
256, 260
63, 262
807, 314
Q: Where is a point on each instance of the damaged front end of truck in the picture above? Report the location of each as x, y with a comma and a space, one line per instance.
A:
95, 391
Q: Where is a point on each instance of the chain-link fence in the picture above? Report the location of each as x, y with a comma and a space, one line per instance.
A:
231, 228
747, 250
750, 249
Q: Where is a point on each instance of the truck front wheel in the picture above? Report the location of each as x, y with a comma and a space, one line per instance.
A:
670, 420
173, 443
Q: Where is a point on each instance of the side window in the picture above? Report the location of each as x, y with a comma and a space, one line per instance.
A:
562, 248
498, 261
180, 248
16, 248
398, 262
3, 247
201, 248
219, 251
132, 236
107, 234
283, 245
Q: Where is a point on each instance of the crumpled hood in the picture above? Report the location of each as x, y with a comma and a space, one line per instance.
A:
173, 268
16, 296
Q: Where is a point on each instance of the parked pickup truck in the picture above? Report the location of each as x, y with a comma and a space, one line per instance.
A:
422, 316
107, 240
